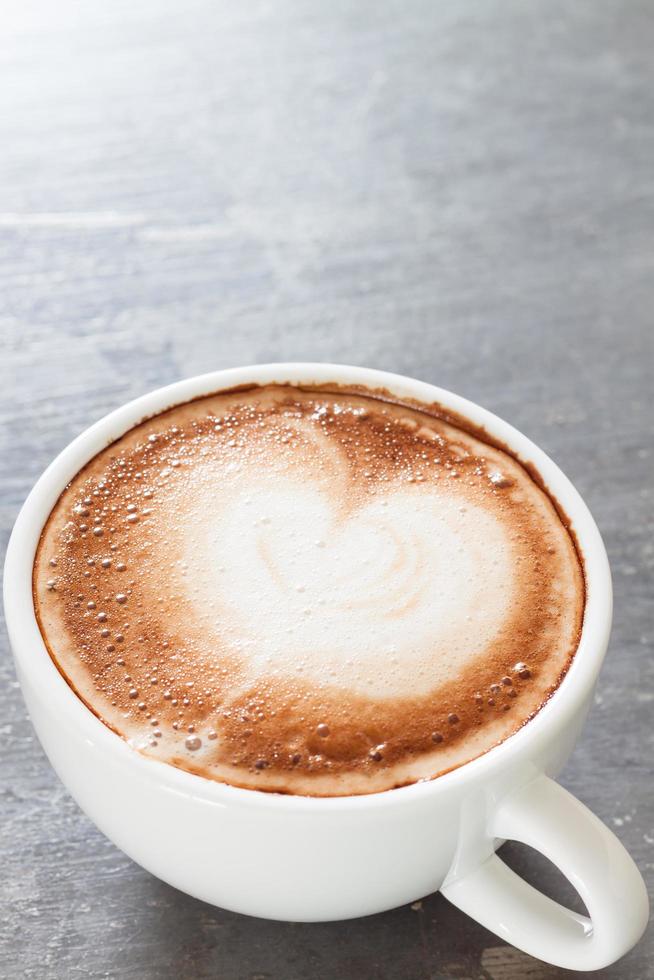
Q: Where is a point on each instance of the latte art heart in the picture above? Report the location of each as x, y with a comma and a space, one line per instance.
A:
308, 591
352, 600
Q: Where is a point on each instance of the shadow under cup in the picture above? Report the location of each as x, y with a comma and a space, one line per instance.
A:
312, 859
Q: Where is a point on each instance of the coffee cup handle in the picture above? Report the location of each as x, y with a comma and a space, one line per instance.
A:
546, 817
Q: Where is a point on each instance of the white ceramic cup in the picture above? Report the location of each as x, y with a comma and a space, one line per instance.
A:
308, 859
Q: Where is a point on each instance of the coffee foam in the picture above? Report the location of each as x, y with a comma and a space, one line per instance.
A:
308, 592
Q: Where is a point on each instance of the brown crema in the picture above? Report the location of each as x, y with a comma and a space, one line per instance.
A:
315, 591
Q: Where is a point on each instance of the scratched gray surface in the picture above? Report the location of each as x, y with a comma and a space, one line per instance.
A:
461, 192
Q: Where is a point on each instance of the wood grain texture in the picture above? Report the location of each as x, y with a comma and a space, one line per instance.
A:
460, 192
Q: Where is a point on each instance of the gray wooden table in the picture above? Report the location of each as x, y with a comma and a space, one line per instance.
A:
460, 192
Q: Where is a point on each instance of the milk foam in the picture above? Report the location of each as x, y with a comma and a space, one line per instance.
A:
391, 598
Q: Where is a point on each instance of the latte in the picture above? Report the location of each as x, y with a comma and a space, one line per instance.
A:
309, 591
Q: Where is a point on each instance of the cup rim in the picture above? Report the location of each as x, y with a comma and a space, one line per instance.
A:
35, 663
